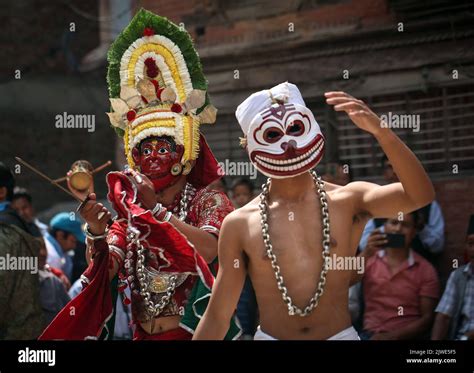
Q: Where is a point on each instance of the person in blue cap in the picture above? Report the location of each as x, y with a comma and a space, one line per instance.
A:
67, 230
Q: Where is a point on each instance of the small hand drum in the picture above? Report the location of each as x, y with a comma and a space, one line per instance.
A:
80, 179
80, 176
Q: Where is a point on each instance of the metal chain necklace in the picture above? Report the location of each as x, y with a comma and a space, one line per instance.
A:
154, 309
183, 203
313, 303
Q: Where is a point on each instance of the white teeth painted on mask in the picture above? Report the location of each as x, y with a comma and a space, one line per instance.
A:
302, 160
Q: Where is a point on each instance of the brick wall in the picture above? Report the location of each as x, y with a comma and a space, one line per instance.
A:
221, 27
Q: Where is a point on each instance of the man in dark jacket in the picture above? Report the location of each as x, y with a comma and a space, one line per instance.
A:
7, 214
20, 306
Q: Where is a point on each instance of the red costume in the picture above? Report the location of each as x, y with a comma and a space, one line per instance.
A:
159, 101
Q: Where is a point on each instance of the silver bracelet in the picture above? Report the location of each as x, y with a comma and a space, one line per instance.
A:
157, 208
168, 216
94, 237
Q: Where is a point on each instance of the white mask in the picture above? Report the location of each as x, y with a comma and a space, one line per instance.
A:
283, 137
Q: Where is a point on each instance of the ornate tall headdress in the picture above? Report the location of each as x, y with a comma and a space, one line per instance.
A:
156, 85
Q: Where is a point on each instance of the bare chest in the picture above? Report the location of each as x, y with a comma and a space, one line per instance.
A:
296, 232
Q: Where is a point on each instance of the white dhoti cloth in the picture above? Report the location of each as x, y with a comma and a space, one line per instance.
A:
348, 334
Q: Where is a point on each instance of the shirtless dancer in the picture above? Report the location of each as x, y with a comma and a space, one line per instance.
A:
279, 130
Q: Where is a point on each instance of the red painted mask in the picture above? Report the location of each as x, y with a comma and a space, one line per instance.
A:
155, 157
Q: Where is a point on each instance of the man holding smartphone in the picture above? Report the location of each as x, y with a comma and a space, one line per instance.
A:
400, 287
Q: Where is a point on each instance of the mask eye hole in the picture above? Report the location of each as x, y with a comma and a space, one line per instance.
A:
272, 135
296, 128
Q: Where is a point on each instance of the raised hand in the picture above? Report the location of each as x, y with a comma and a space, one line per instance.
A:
145, 188
358, 111
96, 215
375, 242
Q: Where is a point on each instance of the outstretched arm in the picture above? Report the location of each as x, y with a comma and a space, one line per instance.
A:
229, 283
414, 190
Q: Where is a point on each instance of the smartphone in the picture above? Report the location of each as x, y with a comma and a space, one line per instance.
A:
395, 240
